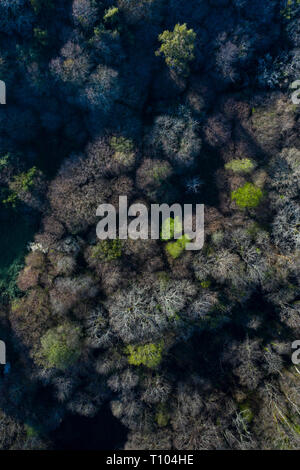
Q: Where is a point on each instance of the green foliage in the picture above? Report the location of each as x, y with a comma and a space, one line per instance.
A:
111, 15
246, 412
178, 48
4, 161
8, 275
247, 196
14, 236
150, 355
11, 199
98, 31
61, 346
108, 250
176, 248
290, 10
22, 182
123, 150
205, 284
162, 416
243, 165
121, 144
30, 431
160, 173
41, 36
163, 277
170, 227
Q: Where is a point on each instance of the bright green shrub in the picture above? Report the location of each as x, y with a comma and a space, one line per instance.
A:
107, 250
176, 248
61, 346
178, 48
243, 165
247, 196
111, 15
170, 227
205, 284
150, 355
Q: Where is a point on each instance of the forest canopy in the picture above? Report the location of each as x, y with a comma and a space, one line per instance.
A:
161, 101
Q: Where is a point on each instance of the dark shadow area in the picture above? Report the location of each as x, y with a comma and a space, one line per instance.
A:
102, 432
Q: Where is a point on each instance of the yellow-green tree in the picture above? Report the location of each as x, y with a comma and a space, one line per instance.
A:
247, 196
150, 355
61, 346
178, 48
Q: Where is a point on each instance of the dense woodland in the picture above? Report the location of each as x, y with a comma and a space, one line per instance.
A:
141, 343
